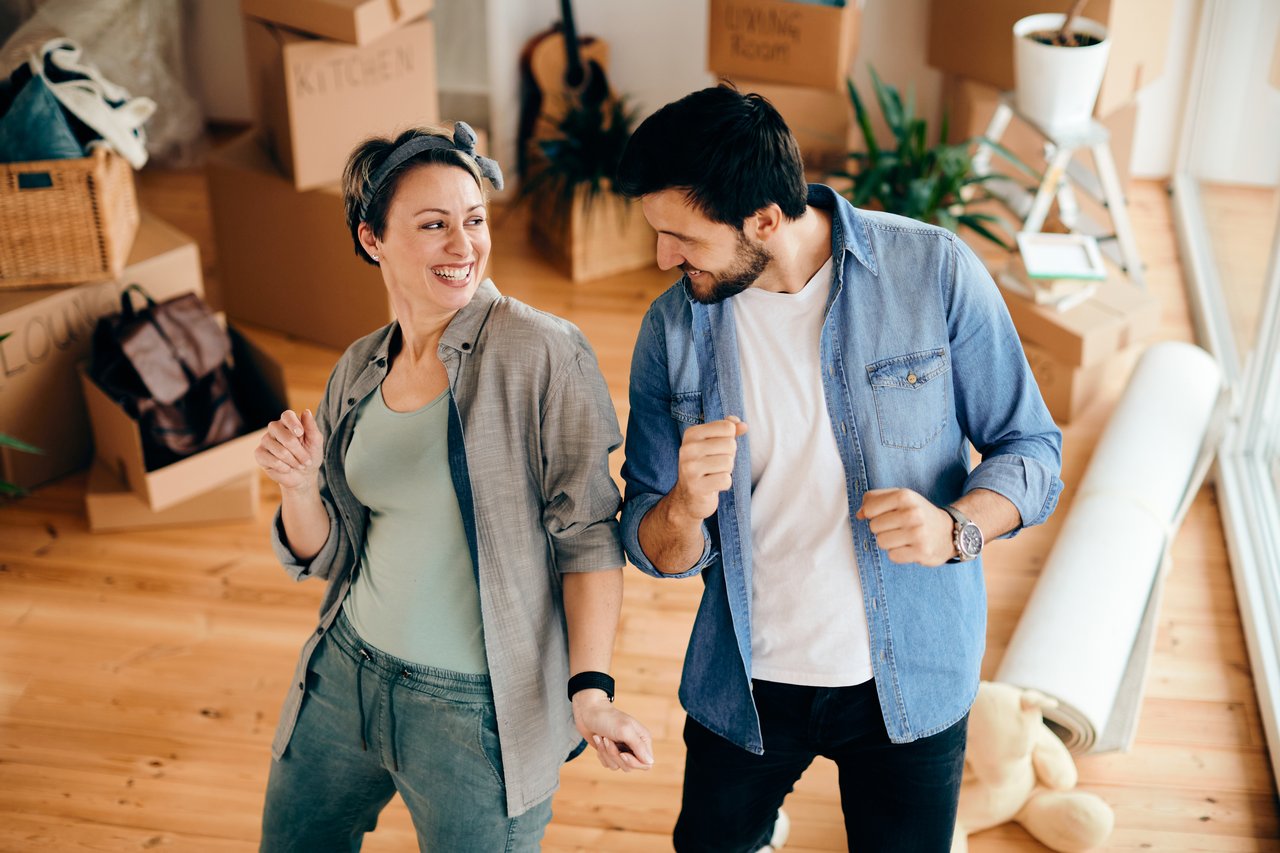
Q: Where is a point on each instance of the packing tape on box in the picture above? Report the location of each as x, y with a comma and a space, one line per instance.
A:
1086, 635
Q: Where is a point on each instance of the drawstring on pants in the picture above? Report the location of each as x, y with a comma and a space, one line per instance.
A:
391, 718
365, 657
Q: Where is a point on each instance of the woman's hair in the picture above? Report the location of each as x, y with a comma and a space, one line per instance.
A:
731, 154
370, 204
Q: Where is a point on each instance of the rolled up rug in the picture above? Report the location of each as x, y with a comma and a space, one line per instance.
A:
1086, 634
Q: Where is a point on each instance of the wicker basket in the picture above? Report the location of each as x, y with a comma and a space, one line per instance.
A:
64, 222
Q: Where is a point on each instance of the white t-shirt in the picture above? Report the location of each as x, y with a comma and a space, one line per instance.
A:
808, 625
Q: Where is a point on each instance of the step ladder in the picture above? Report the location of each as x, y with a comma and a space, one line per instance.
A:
1060, 180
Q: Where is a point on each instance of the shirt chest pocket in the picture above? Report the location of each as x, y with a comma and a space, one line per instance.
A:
910, 393
686, 408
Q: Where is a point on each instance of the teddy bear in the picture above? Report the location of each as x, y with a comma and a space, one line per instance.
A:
1015, 768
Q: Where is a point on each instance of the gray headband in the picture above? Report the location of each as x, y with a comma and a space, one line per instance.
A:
464, 141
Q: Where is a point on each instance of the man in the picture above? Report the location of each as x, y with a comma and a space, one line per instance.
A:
803, 402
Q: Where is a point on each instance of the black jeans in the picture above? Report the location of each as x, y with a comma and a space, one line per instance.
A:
895, 796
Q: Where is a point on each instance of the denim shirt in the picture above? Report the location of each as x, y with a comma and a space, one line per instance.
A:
919, 361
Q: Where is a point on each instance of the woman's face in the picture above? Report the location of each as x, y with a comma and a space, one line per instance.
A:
435, 245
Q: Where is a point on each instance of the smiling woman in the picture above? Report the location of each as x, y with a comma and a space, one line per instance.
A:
458, 462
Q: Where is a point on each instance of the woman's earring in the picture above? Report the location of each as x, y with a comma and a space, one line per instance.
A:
375, 258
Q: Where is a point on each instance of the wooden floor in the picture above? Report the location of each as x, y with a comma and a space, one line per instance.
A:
141, 674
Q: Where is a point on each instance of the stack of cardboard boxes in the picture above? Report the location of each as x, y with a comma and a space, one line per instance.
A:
798, 55
325, 75
1069, 351
971, 42
44, 402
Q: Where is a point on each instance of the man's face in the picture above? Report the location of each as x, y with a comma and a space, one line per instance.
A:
719, 260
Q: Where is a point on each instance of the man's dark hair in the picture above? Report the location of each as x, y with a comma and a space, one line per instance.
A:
731, 153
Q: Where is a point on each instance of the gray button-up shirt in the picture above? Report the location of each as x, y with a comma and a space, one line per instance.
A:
536, 426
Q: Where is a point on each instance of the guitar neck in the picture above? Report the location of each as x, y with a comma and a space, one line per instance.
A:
573, 71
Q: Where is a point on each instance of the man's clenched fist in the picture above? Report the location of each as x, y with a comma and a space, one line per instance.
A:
706, 465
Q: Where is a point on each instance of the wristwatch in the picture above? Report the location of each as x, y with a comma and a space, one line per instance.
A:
966, 536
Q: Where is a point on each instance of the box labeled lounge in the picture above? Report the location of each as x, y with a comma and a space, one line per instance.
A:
286, 259
49, 332
258, 385
352, 21
111, 505
778, 41
319, 98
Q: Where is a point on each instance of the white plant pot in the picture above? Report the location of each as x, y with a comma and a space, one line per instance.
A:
1056, 87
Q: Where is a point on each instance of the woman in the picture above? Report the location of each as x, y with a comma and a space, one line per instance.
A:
454, 492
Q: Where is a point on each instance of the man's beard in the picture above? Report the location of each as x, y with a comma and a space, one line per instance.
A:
750, 261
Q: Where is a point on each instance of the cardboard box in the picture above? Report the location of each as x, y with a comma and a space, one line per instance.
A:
258, 386
605, 237
50, 332
970, 104
974, 39
351, 21
285, 258
318, 99
110, 504
779, 41
821, 121
1067, 390
1118, 315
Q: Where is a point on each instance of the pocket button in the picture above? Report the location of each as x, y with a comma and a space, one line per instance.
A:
911, 379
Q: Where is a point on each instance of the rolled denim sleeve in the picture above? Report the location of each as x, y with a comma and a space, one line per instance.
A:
653, 447
998, 401
579, 431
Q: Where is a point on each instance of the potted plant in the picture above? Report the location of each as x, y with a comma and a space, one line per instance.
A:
8, 441
1059, 61
577, 219
933, 183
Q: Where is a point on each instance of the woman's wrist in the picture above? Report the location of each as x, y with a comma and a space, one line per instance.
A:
591, 680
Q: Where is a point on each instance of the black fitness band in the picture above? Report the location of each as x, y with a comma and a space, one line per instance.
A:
591, 680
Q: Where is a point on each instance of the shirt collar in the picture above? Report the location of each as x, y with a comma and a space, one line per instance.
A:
465, 327
461, 333
848, 230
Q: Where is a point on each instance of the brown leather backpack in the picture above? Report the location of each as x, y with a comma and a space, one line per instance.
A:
166, 365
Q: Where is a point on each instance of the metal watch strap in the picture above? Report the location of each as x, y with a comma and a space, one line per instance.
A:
959, 520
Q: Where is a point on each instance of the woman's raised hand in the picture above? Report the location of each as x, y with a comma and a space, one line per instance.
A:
292, 450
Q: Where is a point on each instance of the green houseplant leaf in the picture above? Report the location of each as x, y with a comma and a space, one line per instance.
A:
14, 444
935, 184
585, 153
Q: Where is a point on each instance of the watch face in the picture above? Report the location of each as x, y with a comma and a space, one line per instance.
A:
970, 540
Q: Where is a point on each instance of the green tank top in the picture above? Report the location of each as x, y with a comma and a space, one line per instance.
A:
415, 594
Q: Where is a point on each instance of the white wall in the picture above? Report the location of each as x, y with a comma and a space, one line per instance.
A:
1160, 105
659, 52
1237, 135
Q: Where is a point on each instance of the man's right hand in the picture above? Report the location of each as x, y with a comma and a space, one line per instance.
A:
705, 469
